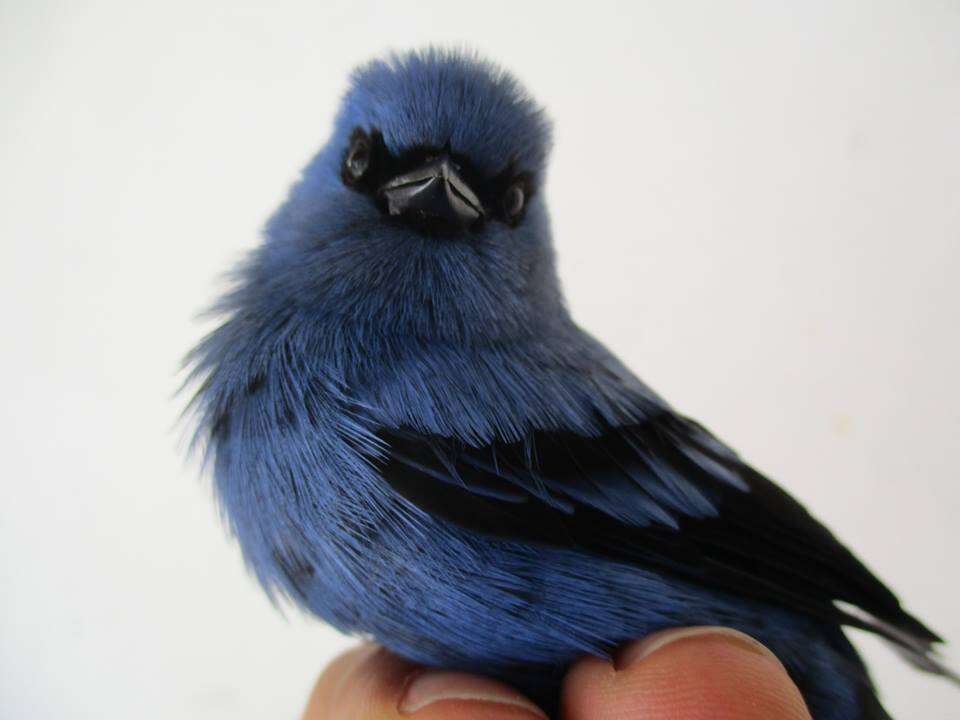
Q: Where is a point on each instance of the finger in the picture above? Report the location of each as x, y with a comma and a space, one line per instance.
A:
359, 684
369, 683
684, 674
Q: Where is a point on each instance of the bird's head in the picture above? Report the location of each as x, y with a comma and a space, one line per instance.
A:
424, 211
445, 144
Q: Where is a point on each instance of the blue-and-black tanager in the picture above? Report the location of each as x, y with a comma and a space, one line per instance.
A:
412, 439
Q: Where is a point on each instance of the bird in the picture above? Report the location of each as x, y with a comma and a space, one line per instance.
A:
410, 437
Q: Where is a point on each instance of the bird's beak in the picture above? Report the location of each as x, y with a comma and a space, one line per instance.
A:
433, 191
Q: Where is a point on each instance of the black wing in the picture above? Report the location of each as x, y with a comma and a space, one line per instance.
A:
663, 493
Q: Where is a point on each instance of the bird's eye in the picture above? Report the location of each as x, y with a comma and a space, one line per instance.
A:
513, 202
357, 160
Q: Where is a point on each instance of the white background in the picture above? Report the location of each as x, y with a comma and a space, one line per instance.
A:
756, 204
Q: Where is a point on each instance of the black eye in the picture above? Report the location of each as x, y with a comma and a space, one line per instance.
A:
357, 160
513, 201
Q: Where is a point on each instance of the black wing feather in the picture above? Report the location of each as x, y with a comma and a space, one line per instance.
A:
663, 493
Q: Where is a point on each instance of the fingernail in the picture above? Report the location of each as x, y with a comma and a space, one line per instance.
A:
434, 686
641, 649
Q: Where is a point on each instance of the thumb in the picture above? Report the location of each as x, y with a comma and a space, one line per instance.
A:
684, 674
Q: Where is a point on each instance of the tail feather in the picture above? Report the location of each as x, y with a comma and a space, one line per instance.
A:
928, 661
914, 642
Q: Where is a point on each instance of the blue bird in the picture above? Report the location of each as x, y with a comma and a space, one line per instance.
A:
411, 438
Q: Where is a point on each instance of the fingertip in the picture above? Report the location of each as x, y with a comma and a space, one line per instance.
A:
586, 679
447, 695
370, 683
362, 683
634, 652
684, 674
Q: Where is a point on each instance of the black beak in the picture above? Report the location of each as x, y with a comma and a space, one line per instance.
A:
434, 191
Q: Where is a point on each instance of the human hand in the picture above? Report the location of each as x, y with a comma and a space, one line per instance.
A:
681, 674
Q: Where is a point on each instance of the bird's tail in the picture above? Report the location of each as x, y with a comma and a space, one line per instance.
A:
927, 660
915, 643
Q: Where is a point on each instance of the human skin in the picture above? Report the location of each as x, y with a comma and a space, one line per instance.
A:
682, 674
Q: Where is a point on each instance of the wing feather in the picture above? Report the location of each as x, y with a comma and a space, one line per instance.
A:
664, 493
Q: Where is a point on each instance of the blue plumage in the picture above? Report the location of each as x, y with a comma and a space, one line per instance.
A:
412, 439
